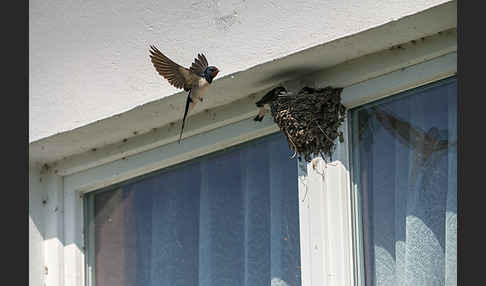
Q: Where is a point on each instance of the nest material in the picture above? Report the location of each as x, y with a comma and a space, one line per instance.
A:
310, 120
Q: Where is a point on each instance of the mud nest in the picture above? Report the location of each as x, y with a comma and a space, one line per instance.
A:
310, 120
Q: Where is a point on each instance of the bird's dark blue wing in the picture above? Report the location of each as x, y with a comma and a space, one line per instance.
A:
178, 76
199, 65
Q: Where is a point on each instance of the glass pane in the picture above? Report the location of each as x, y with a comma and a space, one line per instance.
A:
405, 169
230, 218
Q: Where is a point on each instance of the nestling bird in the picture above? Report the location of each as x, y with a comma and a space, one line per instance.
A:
196, 79
267, 99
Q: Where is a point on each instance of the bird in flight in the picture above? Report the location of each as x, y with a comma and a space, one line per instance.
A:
195, 79
268, 98
423, 142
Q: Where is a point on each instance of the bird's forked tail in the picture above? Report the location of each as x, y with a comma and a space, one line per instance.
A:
188, 102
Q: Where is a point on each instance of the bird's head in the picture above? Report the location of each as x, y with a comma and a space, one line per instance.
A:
279, 90
433, 134
210, 73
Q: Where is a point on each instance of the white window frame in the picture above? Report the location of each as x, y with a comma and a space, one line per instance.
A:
328, 254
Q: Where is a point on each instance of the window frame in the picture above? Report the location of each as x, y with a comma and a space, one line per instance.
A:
328, 251
356, 201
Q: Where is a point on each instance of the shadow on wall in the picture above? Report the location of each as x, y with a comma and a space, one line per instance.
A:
287, 74
46, 229
36, 227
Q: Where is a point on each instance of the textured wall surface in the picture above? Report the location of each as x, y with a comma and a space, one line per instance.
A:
88, 60
36, 229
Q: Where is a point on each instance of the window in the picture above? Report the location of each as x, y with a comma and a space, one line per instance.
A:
281, 222
404, 163
229, 218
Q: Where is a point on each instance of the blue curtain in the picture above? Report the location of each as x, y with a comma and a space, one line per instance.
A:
405, 166
230, 218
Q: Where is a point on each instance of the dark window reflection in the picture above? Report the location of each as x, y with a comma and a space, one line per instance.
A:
227, 219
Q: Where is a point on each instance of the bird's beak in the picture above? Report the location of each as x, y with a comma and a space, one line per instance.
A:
215, 72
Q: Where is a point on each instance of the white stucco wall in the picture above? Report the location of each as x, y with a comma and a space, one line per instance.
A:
88, 60
36, 228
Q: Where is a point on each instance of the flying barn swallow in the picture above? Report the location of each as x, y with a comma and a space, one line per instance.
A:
196, 79
267, 99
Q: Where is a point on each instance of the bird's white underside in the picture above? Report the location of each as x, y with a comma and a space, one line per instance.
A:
200, 89
198, 92
261, 111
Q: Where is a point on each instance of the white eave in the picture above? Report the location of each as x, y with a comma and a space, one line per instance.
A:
157, 123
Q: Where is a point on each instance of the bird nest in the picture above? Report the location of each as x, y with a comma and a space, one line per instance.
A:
310, 120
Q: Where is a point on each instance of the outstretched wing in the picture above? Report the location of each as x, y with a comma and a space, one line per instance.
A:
199, 65
412, 136
178, 76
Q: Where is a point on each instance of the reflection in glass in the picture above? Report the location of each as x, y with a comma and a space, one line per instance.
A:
405, 168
